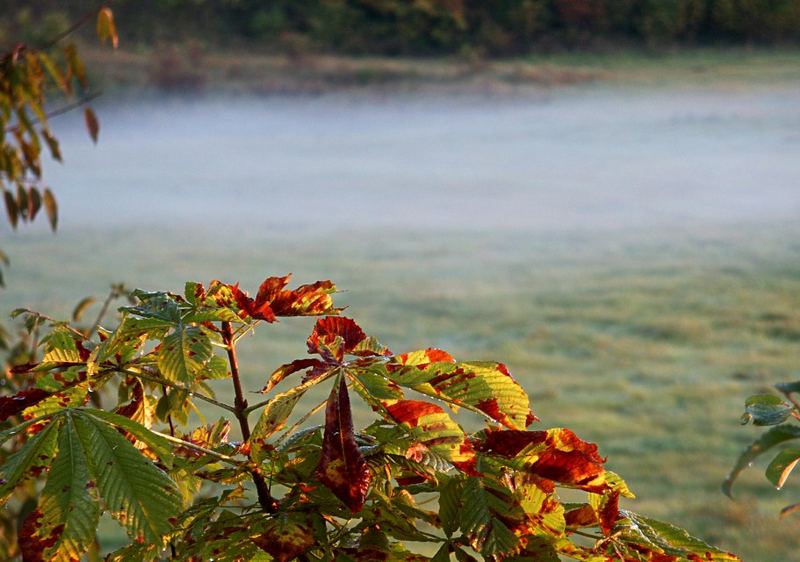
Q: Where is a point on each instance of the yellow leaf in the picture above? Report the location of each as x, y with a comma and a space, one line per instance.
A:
106, 28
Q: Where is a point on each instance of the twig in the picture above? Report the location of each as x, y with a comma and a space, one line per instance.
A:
80, 22
103, 310
198, 448
60, 111
268, 503
301, 421
192, 393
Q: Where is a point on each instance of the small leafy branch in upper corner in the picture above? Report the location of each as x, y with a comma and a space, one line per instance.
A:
291, 489
30, 77
772, 410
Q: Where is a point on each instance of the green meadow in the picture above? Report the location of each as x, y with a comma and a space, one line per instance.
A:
645, 341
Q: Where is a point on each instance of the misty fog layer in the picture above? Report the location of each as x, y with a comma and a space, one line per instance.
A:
588, 158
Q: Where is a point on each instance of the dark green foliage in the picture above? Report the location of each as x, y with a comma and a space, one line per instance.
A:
435, 27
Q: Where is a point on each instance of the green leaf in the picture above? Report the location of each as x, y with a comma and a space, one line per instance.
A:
781, 466
69, 504
774, 436
275, 414
136, 493
664, 538
450, 505
766, 409
61, 347
31, 459
479, 522
160, 446
184, 354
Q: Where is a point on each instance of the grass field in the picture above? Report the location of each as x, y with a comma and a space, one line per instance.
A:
645, 342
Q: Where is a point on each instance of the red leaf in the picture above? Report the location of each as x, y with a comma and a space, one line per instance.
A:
273, 300
251, 307
508, 443
333, 336
609, 512
410, 411
560, 455
584, 516
431, 355
31, 546
315, 367
342, 467
12, 405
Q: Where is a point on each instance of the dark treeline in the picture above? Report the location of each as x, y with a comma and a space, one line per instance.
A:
431, 27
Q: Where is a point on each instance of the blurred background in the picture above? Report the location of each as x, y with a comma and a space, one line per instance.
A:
603, 194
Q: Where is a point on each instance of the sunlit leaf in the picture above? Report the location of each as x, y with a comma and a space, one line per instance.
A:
184, 354
106, 28
663, 538
484, 387
781, 466
430, 426
555, 454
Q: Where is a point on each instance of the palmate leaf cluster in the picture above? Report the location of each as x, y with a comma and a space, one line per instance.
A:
410, 484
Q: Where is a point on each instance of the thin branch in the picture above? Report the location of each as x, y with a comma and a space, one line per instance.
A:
301, 421
192, 393
60, 111
199, 448
268, 503
790, 397
103, 310
80, 22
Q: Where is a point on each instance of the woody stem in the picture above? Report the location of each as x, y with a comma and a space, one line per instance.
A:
268, 503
